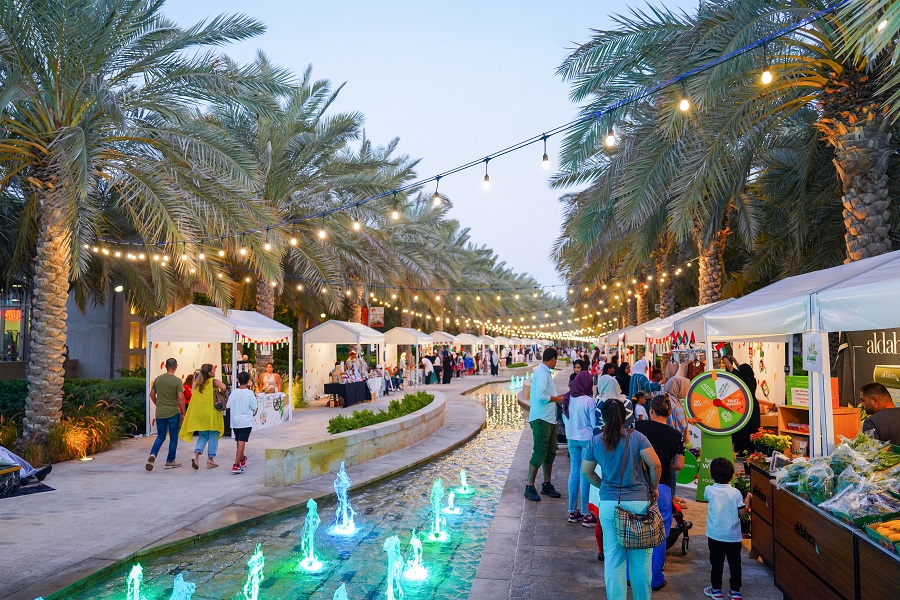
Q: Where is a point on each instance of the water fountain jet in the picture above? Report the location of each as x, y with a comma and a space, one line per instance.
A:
394, 568
463, 489
182, 590
135, 578
254, 574
308, 560
415, 568
450, 509
340, 593
438, 533
343, 524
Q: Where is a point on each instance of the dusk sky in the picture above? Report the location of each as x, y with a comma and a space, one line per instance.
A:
454, 81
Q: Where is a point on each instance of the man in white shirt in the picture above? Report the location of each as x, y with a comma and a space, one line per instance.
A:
542, 418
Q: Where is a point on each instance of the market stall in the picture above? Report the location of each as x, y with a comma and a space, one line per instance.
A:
404, 336
469, 342
635, 340
848, 297
194, 336
320, 352
442, 338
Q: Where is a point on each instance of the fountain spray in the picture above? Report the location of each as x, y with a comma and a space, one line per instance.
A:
394, 568
343, 524
135, 578
415, 568
463, 489
182, 590
308, 560
450, 509
438, 533
254, 574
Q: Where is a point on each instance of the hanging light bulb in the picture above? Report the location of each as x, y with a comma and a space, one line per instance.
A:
436, 198
221, 253
322, 233
610, 140
545, 161
243, 251
356, 224
201, 256
299, 288
880, 27
267, 246
766, 77
293, 241
487, 178
685, 104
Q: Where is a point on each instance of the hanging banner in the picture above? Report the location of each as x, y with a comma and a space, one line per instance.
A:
376, 317
813, 345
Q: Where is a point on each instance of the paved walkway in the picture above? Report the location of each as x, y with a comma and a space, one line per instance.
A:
557, 559
110, 508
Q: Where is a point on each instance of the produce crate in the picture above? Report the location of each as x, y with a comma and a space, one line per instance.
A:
886, 543
861, 522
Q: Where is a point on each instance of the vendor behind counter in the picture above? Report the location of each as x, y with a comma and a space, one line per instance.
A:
884, 417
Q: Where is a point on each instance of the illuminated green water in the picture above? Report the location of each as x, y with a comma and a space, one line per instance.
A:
392, 507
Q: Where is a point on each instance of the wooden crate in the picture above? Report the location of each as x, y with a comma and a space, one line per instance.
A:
878, 571
797, 582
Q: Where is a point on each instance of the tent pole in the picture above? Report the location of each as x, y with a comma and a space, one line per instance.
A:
147, 382
290, 393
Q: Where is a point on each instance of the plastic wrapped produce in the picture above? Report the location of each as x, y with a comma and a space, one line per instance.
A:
788, 478
848, 477
817, 482
862, 503
844, 456
864, 443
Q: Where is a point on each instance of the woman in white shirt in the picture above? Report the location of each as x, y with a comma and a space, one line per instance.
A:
578, 416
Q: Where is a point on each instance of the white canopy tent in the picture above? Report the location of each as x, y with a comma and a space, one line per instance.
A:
320, 352
854, 296
488, 340
442, 337
194, 335
688, 321
501, 341
404, 336
516, 341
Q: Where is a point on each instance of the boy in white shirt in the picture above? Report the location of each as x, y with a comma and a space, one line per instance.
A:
723, 529
243, 405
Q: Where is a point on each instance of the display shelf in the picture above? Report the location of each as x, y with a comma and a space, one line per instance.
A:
846, 421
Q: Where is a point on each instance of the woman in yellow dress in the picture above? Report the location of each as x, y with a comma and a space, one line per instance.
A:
203, 418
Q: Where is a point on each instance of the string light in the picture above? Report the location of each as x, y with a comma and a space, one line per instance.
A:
221, 253
880, 27
610, 140
487, 178
356, 224
766, 77
322, 233
545, 161
684, 105
436, 198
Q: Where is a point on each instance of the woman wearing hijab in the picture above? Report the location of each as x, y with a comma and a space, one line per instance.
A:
741, 439
447, 363
639, 380
578, 417
623, 376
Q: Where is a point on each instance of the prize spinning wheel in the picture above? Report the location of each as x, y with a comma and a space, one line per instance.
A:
721, 401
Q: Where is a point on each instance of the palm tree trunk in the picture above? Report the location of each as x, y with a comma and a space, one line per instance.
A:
47, 336
439, 324
630, 313
666, 287
356, 306
265, 305
711, 266
406, 321
862, 158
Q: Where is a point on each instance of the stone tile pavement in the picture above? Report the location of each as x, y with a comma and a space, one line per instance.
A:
110, 508
532, 552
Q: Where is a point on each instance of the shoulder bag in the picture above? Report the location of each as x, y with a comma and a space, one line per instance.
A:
637, 531
220, 398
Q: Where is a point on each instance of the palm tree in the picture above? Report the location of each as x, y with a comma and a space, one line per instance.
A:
97, 103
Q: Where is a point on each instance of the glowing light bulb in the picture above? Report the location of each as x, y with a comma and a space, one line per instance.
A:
356, 225
299, 288
184, 257
247, 279
545, 161
610, 140
393, 296
201, 256
243, 251
268, 246
322, 315
415, 298
880, 27
395, 214
293, 241
219, 275
438, 298
221, 253
684, 105
322, 234
766, 77
478, 298
436, 199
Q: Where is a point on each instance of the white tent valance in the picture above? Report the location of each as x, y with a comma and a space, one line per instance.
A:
342, 332
407, 336
441, 337
467, 339
689, 319
866, 301
783, 308
488, 340
211, 324
502, 340
515, 341
637, 335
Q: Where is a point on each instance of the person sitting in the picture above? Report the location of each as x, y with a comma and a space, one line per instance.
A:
26, 471
270, 381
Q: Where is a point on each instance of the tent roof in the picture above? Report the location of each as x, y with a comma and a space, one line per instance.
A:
638, 333
546, 342
441, 337
516, 341
689, 319
407, 335
210, 324
502, 340
782, 308
342, 332
488, 340
467, 339
867, 301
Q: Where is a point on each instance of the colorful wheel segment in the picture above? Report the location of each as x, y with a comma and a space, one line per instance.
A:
721, 401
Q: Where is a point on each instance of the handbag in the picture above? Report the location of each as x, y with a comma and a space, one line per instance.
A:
220, 399
637, 531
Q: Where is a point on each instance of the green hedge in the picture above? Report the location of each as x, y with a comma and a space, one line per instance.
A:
397, 408
126, 393
517, 365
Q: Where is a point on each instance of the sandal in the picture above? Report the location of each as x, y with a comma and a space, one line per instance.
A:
194, 463
211, 465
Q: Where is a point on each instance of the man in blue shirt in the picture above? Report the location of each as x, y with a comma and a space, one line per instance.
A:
542, 418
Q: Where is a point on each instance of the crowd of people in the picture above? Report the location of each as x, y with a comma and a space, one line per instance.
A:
626, 433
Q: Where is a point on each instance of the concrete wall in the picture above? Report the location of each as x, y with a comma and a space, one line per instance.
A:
287, 465
88, 338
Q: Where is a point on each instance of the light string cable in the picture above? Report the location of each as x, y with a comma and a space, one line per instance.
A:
540, 138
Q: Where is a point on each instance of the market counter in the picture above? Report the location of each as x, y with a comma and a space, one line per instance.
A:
813, 554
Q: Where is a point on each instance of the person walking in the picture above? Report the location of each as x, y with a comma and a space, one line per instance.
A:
723, 529
542, 419
243, 405
668, 444
448, 365
623, 376
203, 418
622, 455
578, 417
167, 393
495, 364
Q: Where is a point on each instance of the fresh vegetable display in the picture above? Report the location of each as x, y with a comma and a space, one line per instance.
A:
859, 482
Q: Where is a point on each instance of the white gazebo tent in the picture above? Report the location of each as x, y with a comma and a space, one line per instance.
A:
194, 335
488, 340
501, 341
853, 296
467, 339
688, 322
320, 350
442, 337
404, 336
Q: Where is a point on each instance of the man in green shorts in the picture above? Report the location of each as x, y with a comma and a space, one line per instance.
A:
542, 418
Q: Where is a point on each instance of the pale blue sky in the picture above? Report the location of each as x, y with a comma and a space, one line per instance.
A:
454, 81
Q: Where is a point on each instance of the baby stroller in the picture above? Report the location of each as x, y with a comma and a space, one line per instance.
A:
680, 528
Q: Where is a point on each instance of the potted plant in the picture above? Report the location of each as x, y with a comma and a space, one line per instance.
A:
742, 483
768, 442
745, 523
